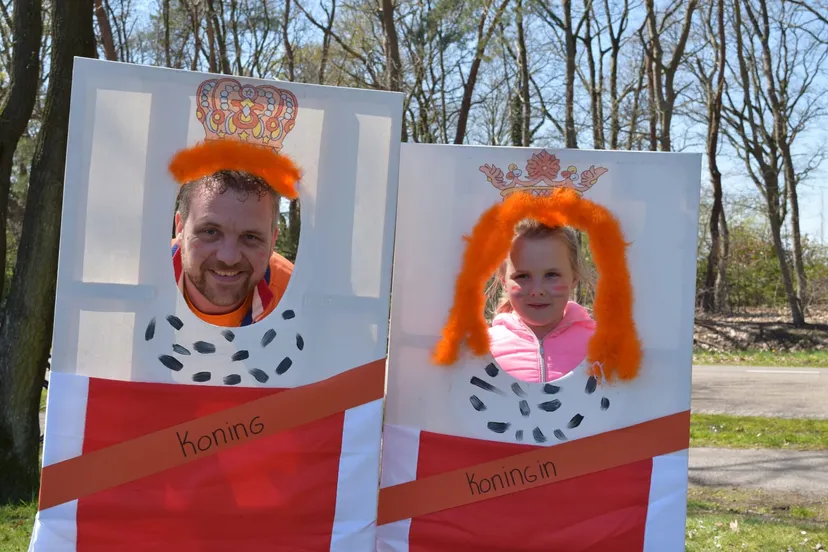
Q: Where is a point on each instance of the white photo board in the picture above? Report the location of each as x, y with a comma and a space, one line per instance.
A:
437, 416
118, 312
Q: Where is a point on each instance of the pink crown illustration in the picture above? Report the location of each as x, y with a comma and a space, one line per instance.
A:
542, 176
262, 115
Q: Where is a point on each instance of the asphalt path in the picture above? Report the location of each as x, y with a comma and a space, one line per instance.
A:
804, 472
761, 391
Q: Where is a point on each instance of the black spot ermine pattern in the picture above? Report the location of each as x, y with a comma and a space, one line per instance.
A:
177, 359
491, 371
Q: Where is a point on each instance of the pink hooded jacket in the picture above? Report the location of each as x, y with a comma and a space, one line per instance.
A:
520, 353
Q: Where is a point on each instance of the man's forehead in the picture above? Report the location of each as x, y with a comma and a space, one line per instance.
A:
231, 208
211, 195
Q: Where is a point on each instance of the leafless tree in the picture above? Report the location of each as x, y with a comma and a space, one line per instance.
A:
525, 99
105, 31
711, 79
662, 72
519, 82
290, 62
488, 21
368, 73
122, 18
563, 23
27, 320
772, 103
634, 138
330, 17
603, 34
789, 68
393, 64
432, 57
165, 20
816, 8
616, 40
17, 105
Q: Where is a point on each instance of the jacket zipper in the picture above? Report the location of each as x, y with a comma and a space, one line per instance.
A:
542, 362
541, 355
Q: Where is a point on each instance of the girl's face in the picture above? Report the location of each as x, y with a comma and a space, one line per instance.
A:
539, 281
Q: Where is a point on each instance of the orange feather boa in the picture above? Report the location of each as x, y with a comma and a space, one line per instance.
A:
212, 156
614, 346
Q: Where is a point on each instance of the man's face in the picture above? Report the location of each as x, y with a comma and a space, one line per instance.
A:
226, 243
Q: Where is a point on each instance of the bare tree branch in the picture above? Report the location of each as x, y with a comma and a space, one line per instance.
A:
341, 43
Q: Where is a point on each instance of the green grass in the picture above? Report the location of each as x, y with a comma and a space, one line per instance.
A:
714, 522
16, 522
717, 519
754, 520
706, 532
718, 430
762, 358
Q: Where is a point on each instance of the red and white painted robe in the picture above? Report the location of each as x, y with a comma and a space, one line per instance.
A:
638, 507
302, 489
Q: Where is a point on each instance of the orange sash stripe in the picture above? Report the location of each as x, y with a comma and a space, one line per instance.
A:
162, 450
536, 467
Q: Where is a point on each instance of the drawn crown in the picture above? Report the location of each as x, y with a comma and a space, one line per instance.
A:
262, 115
543, 174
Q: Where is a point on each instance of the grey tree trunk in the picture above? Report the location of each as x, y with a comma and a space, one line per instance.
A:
570, 136
392, 46
755, 143
18, 104
714, 119
720, 294
27, 320
773, 199
523, 61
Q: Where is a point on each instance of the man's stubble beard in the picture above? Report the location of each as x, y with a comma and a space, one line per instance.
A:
225, 298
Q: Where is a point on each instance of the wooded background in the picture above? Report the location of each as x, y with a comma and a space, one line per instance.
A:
742, 81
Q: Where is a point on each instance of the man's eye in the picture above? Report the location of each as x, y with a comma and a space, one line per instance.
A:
252, 237
210, 231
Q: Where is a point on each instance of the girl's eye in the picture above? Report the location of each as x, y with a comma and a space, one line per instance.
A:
519, 277
552, 274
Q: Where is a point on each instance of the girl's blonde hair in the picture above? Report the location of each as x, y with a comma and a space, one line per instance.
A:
532, 229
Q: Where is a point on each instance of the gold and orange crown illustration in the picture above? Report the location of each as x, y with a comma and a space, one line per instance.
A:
543, 175
261, 115
245, 129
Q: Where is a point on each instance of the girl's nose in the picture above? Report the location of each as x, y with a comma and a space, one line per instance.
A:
536, 289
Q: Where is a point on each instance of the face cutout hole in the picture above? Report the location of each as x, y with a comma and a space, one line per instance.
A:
233, 247
539, 303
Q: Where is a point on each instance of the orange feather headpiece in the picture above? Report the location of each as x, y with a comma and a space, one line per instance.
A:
212, 156
614, 349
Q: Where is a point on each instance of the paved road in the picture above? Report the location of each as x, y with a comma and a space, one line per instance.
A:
771, 470
761, 391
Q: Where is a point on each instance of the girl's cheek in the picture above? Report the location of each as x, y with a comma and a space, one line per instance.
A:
513, 290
